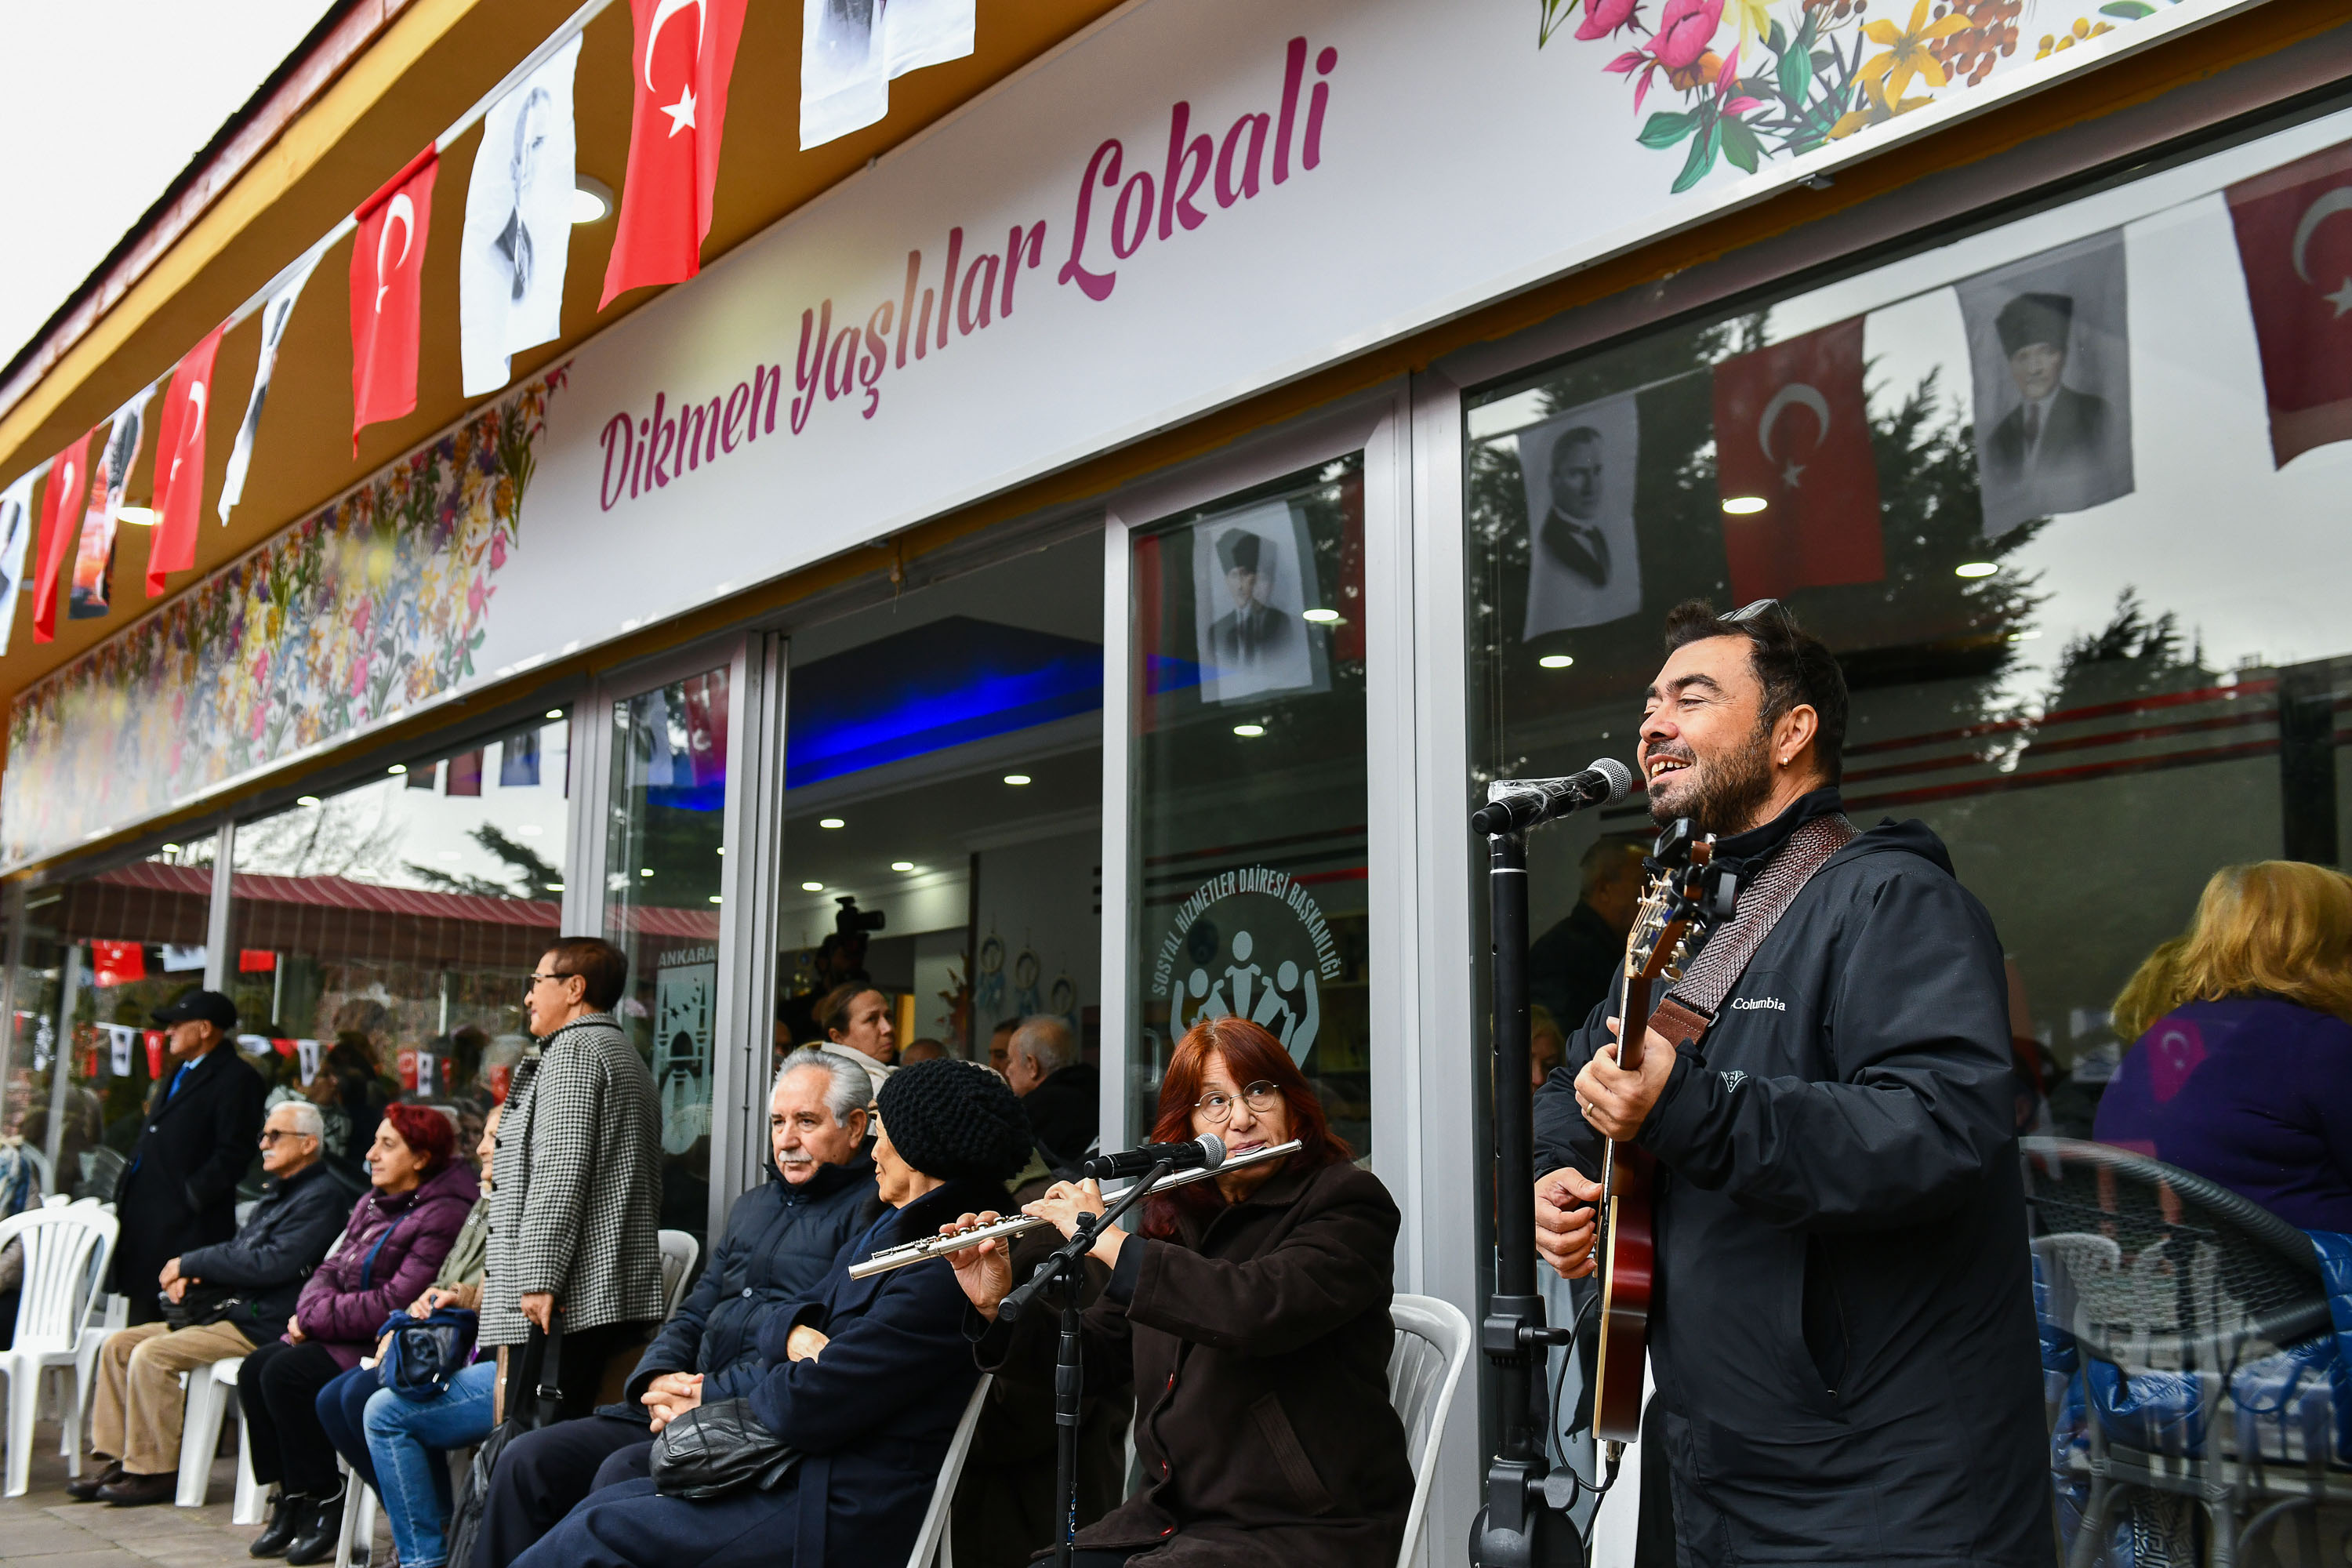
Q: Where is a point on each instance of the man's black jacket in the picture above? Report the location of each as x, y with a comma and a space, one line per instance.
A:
1063, 1111
1844, 1336
179, 1190
274, 1251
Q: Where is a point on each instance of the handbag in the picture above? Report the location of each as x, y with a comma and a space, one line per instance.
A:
714, 1449
535, 1399
199, 1305
422, 1354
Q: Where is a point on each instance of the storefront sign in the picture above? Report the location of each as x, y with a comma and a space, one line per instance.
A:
1251, 943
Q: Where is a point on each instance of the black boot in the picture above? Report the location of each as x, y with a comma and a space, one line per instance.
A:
287, 1517
316, 1544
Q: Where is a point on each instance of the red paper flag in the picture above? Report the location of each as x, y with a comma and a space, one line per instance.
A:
1792, 430
60, 521
679, 78
180, 464
117, 962
464, 775
387, 267
2295, 244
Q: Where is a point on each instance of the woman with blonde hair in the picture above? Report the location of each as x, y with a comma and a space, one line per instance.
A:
2242, 1068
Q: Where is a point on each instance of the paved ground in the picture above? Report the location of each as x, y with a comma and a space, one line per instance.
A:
46, 1528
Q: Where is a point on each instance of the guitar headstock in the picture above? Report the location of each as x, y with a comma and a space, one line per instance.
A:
1671, 920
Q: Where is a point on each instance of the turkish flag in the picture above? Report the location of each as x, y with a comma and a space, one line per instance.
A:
61, 505
2295, 245
387, 268
679, 74
1792, 430
180, 464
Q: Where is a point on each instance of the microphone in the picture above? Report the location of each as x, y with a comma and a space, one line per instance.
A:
1202, 1154
1513, 805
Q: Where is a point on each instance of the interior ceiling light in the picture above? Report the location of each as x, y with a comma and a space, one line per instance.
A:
1556, 660
591, 200
1320, 618
397, 769
1249, 731
714, 897
831, 822
555, 712
1974, 569
722, 850
171, 849
1016, 778
1745, 506
645, 870
811, 887
306, 800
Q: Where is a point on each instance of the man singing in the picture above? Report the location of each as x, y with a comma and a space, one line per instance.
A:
1842, 1336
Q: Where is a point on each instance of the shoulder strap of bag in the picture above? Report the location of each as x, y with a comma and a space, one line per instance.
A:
367, 1267
1689, 1008
547, 1392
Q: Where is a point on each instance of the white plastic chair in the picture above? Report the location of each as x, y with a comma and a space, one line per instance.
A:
108, 1318
678, 1252
937, 1541
356, 1541
65, 1249
1433, 1344
211, 1391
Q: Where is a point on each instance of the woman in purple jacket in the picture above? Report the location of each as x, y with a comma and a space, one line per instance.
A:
2242, 1068
397, 1235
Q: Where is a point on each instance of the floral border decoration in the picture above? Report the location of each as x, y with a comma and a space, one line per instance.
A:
355, 614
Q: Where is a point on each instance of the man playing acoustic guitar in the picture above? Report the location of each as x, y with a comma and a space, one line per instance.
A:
1841, 1330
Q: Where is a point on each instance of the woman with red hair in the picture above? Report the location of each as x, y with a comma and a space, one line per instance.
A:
1250, 1313
398, 1233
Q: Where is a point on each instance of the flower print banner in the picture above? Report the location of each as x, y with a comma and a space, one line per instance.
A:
360, 613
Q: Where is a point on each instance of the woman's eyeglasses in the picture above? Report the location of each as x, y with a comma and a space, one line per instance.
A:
1216, 1110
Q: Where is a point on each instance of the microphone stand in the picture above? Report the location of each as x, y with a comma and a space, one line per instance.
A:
1064, 1272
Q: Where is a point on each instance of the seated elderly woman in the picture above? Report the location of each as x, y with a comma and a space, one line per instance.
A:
1267, 1288
2242, 1068
395, 1239
867, 1378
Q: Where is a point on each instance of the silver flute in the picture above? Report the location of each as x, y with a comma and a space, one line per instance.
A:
930, 1247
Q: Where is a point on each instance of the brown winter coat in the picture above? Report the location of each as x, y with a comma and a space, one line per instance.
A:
1258, 1341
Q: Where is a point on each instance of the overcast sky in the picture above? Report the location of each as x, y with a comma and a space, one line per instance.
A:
106, 100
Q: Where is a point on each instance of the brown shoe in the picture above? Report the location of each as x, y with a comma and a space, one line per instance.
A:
132, 1490
84, 1489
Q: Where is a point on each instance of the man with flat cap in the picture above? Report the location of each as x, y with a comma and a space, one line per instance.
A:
1252, 629
2056, 428
203, 1120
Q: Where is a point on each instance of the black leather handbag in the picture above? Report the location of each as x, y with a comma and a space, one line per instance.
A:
714, 1449
533, 1399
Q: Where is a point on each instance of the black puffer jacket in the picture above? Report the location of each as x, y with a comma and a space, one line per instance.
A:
1843, 1335
275, 1250
780, 1240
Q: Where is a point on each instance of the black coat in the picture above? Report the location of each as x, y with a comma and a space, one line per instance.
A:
1064, 1112
781, 1241
179, 1190
1257, 1340
274, 1251
1573, 965
1843, 1335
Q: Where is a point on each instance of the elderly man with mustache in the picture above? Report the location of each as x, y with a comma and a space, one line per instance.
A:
780, 1239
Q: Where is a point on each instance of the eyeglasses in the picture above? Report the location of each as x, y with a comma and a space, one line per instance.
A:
539, 979
1216, 1110
272, 1134
1756, 610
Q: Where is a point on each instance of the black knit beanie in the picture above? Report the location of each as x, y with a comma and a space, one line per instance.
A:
955, 1120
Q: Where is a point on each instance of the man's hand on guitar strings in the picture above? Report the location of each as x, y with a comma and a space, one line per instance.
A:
1616, 1103
1564, 1221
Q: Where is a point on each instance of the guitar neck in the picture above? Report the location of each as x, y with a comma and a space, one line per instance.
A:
1633, 1021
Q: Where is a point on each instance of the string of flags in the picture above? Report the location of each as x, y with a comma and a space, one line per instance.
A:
515, 241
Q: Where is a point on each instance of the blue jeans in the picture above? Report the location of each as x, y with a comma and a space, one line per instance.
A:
340, 1405
408, 1438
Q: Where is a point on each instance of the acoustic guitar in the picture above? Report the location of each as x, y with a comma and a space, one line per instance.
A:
1666, 931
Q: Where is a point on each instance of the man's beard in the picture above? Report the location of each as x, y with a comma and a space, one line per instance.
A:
1734, 788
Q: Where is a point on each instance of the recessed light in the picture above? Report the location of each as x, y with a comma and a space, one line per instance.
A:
902, 865
397, 769
722, 850
171, 849
591, 200
811, 887
645, 870
1743, 506
555, 712
714, 897
1249, 731
1556, 660
1016, 778
306, 800
831, 822
1974, 569
552, 887
137, 516
1320, 618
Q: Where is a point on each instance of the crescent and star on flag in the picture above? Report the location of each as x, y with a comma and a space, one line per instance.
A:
189, 431
1802, 395
681, 113
2327, 205
403, 211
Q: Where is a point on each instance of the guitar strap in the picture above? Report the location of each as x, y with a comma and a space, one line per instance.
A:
1689, 1008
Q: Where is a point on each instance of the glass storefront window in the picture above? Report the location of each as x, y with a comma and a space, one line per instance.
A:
102, 953
381, 937
2067, 498
1248, 838
665, 839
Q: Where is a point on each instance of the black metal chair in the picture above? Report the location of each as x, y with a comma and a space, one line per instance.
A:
2156, 1270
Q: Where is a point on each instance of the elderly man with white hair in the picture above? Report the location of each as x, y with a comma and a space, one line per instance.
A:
223, 1301
780, 1239
1060, 1094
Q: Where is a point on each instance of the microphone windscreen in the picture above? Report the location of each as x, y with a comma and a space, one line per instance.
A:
1620, 777
1212, 1150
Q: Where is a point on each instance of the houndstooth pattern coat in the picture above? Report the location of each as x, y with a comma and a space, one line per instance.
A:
576, 1202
